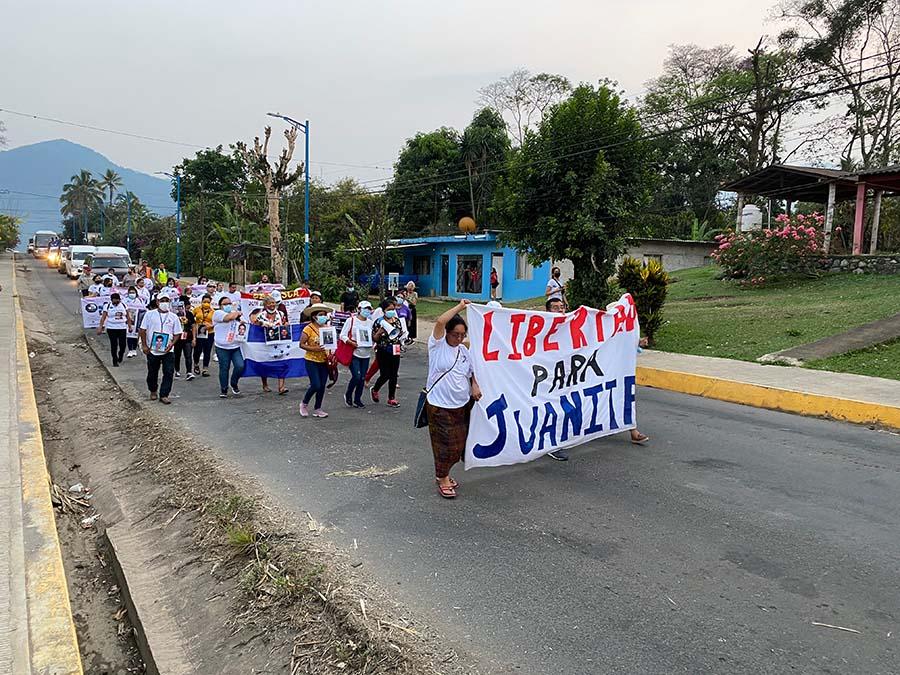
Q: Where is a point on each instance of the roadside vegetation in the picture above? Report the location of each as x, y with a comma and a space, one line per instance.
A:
878, 361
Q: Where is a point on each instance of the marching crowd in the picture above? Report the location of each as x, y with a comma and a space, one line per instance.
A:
180, 338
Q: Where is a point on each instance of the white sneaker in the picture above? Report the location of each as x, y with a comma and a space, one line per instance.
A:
216, 358
190, 376
131, 354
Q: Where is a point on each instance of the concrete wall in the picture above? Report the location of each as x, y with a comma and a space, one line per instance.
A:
863, 264
673, 253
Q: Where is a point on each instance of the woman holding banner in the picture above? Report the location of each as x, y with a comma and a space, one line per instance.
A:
271, 316
450, 389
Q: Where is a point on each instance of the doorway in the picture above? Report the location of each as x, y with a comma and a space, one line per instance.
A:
445, 275
497, 264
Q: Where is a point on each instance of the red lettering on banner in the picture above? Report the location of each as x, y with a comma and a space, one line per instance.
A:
575, 328
485, 343
516, 320
599, 319
553, 346
624, 319
535, 326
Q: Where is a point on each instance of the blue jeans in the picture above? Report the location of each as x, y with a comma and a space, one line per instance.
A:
230, 358
358, 368
318, 378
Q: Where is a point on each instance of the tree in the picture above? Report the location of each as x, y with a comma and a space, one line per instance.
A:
372, 235
9, 231
484, 147
523, 98
110, 182
274, 180
855, 41
576, 204
81, 194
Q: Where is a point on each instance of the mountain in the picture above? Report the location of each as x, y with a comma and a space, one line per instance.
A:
40, 170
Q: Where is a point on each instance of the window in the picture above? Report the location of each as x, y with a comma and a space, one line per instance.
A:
422, 265
524, 269
468, 273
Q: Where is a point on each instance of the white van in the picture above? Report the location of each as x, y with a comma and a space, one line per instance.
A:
77, 254
113, 250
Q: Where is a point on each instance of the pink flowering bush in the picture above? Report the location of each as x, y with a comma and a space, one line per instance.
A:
792, 247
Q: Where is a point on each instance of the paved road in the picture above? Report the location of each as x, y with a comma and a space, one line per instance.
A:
712, 550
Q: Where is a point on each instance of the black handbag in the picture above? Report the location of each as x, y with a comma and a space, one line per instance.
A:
420, 421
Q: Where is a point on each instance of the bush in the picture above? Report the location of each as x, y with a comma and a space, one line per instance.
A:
648, 284
793, 247
217, 273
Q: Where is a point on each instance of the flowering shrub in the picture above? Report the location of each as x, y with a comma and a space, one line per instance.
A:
792, 247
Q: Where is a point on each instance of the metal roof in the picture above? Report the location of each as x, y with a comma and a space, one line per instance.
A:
796, 183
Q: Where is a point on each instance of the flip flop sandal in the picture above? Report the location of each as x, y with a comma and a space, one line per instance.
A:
641, 440
446, 491
205, 373
453, 483
267, 390
282, 392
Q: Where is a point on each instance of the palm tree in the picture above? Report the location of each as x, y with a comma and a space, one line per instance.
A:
80, 194
111, 181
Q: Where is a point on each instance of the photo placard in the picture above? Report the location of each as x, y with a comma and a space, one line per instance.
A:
328, 337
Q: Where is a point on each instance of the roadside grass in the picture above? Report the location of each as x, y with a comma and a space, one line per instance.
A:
430, 310
878, 361
711, 317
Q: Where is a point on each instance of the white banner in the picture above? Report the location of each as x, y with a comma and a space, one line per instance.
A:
292, 302
91, 309
549, 380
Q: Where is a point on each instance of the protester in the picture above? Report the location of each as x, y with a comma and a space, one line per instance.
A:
144, 271
390, 333
316, 359
130, 277
85, 281
495, 283
203, 334
234, 294
114, 319
362, 319
105, 288
349, 299
230, 357
134, 302
161, 276
202, 280
159, 332
170, 290
264, 279
270, 317
450, 388
555, 289
185, 344
110, 274
315, 298
412, 299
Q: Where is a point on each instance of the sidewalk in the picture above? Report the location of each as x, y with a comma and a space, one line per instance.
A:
841, 396
37, 634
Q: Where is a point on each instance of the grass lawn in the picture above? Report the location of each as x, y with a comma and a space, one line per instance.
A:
720, 318
430, 310
879, 361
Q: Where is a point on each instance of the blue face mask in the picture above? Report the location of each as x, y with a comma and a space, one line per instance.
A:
322, 319
391, 314
226, 308
366, 313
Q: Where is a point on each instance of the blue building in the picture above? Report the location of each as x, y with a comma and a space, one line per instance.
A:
459, 266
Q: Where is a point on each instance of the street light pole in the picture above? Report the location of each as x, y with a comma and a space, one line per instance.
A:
304, 127
128, 233
177, 178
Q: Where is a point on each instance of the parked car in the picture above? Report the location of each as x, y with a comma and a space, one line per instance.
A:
63, 259
77, 254
101, 263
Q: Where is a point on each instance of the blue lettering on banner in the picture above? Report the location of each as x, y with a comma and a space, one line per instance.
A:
527, 446
571, 415
611, 384
629, 400
594, 392
495, 409
549, 428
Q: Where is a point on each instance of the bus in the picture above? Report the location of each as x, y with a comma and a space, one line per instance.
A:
42, 239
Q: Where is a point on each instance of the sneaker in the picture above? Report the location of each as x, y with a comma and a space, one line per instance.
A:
374, 395
223, 393
177, 375
559, 455
304, 410
196, 370
190, 376
393, 403
358, 404
115, 364
235, 391
319, 413
216, 358
131, 354
205, 373
348, 402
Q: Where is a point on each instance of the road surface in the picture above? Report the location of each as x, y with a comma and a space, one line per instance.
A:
715, 549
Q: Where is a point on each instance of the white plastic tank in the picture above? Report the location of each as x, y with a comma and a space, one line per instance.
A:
751, 218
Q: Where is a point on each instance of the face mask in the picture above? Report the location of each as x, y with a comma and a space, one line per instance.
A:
321, 319
391, 314
164, 307
226, 308
132, 295
206, 304
366, 313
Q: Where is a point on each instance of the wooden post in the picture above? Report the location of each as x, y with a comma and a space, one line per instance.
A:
859, 217
829, 215
876, 221
740, 211
769, 205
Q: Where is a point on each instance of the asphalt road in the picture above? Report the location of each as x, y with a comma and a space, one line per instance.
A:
712, 550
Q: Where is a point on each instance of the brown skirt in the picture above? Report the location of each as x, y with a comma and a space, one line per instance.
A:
448, 428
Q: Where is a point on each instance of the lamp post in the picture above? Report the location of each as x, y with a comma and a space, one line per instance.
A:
128, 231
177, 178
304, 127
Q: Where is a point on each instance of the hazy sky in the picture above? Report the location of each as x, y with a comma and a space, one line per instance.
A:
367, 75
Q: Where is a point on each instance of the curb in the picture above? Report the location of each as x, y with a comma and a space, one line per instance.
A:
52, 639
772, 398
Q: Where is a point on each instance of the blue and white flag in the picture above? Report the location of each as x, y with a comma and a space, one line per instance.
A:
283, 359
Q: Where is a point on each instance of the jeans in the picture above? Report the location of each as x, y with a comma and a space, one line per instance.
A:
187, 349
204, 348
318, 378
230, 358
167, 361
358, 368
389, 368
132, 344
116, 343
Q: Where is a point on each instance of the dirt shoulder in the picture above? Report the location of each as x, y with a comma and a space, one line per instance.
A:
236, 585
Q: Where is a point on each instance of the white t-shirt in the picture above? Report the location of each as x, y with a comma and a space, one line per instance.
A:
144, 295
356, 322
158, 322
453, 390
170, 292
556, 289
116, 317
221, 328
234, 297
94, 289
104, 291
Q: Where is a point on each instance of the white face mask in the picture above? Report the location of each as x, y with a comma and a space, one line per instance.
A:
164, 307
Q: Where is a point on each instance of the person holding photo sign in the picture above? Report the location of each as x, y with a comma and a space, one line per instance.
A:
389, 336
229, 352
450, 388
159, 332
115, 320
203, 333
270, 316
316, 359
356, 329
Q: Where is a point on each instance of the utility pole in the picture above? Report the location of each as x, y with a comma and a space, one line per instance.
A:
177, 178
304, 127
202, 237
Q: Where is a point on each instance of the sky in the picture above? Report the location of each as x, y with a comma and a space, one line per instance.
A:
367, 75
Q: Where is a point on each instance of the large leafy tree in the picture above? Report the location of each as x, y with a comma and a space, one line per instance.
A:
574, 185
485, 148
9, 231
80, 196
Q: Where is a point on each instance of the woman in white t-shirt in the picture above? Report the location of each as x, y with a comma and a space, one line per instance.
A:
359, 326
450, 388
555, 290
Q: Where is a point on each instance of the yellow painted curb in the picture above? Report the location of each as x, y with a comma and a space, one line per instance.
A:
773, 398
52, 640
